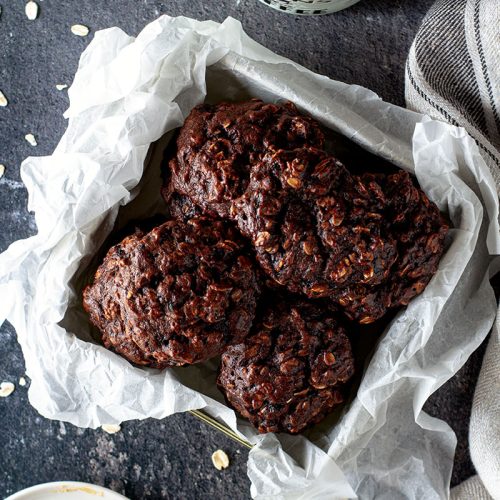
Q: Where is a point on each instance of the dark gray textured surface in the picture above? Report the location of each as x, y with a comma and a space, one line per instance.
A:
366, 45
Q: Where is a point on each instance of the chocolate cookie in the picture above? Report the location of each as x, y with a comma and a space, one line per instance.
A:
419, 230
219, 143
174, 296
320, 231
367, 242
288, 374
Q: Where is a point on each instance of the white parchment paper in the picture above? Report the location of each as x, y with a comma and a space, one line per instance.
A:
127, 93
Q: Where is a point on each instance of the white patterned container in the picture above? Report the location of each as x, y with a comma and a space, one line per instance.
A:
309, 7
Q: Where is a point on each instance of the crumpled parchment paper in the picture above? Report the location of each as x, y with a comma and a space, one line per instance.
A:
127, 93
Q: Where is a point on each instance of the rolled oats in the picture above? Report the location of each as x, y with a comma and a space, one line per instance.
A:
30, 138
31, 10
111, 428
3, 99
6, 389
80, 30
220, 459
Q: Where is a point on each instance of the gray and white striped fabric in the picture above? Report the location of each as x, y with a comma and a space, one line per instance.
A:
453, 71
453, 74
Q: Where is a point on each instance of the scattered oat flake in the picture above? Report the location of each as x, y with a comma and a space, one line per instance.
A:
61, 86
2, 170
111, 428
22, 381
3, 99
220, 460
31, 139
79, 30
31, 9
6, 389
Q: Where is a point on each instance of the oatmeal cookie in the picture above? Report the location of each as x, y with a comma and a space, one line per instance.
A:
289, 373
368, 242
174, 296
218, 144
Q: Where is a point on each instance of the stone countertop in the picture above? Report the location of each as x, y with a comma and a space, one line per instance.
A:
366, 45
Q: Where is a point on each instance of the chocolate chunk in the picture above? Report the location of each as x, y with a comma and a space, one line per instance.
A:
181, 207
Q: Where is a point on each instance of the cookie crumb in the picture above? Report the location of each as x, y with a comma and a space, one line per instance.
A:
3, 99
22, 381
61, 86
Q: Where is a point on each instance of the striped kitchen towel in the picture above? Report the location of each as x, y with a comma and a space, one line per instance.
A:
453, 74
453, 71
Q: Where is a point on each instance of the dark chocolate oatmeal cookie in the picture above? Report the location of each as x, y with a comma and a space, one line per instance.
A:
418, 229
367, 242
174, 296
218, 144
288, 374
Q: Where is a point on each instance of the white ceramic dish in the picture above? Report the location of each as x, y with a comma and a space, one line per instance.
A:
309, 7
66, 490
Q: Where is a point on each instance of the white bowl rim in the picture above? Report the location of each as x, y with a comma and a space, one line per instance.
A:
78, 485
